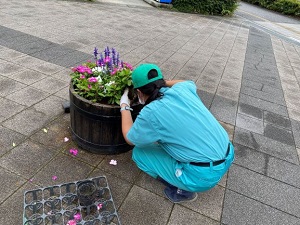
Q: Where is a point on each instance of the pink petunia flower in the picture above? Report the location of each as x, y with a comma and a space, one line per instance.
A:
93, 80
72, 222
89, 86
82, 77
77, 216
74, 151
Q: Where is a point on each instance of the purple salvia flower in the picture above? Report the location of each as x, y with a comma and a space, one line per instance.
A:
95, 53
113, 56
107, 51
122, 64
118, 59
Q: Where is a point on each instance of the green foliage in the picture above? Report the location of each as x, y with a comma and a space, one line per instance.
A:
288, 7
103, 81
212, 7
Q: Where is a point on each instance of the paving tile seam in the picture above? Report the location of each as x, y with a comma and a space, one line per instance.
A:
238, 89
270, 177
216, 46
28, 108
247, 197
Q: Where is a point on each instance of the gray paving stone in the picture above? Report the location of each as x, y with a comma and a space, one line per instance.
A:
7, 138
149, 183
224, 109
52, 52
205, 97
8, 86
277, 120
249, 123
67, 168
26, 122
9, 108
278, 99
10, 183
27, 76
50, 85
264, 189
296, 132
71, 59
181, 215
27, 96
239, 209
13, 206
267, 165
125, 169
25, 158
279, 134
33, 47
57, 130
252, 84
48, 68
118, 194
266, 145
211, 203
149, 209
250, 111
264, 105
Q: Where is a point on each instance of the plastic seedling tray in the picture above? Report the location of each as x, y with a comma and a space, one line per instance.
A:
57, 205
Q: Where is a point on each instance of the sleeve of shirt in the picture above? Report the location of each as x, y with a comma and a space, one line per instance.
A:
185, 86
142, 132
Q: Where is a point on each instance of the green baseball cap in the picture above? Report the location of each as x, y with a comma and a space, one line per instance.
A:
140, 75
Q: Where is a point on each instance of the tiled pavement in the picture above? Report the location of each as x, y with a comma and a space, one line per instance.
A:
248, 79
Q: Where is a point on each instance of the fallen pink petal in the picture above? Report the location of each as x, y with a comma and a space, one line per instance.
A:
71, 222
99, 206
74, 151
31, 180
54, 177
77, 216
113, 162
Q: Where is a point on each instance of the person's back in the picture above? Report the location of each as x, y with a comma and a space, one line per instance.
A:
177, 140
185, 127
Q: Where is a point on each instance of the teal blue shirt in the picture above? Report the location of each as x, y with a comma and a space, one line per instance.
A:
181, 124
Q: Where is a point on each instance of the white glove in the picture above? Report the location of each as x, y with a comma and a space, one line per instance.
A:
124, 99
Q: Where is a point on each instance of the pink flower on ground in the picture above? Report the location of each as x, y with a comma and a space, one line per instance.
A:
77, 216
93, 80
99, 206
71, 222
74, 151
54, 177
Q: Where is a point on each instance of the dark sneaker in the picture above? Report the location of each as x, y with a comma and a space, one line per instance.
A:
177, 195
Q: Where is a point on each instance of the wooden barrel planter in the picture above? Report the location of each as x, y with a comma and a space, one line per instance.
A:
97, 127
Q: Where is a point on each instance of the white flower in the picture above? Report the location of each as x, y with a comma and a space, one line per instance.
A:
110, 83
97, 69
99, 79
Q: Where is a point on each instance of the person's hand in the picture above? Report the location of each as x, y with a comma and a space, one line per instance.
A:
124, 99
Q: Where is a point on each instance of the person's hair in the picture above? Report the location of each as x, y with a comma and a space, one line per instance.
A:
153, 89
